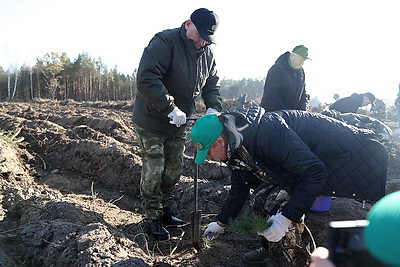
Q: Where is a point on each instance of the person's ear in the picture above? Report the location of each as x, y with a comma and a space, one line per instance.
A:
221, 140
187, 24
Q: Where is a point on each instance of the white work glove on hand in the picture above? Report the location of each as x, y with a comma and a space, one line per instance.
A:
211, 111
177, 116
278, 229
214, 227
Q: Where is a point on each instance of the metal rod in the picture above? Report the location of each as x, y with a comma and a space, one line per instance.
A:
192, 118
196, 189
196, 214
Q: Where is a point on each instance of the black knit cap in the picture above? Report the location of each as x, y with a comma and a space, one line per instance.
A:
206, 22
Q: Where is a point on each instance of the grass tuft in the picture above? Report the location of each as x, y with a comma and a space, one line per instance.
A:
12, 137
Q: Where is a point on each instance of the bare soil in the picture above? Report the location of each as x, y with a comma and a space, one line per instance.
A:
70, 196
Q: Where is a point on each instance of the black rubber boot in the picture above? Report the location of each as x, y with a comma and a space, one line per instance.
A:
169, 220
157, 230
258, 256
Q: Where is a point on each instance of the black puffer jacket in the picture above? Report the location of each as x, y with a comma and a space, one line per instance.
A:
314, 155
284, 87
348, 104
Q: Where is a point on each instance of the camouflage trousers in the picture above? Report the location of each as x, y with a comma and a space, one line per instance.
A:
162, 166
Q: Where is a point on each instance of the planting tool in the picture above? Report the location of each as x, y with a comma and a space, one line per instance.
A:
192, 118
196, 214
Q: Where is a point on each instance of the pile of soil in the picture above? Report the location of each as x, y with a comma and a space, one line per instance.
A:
70, 193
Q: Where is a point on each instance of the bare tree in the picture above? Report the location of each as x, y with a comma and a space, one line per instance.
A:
8, 84
15, 85
31, 83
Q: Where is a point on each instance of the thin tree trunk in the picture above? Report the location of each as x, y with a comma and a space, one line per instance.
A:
38, 82
31, 80
15, 85
8, 85
130, 96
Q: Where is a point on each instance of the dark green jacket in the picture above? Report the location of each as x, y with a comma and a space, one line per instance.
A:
173, 73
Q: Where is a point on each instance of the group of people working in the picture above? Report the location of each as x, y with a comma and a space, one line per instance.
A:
307, 154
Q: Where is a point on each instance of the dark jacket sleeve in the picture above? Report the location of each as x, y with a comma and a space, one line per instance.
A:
297, 166
153, 65
210, 92
272, 87
241, 183
346, 105
305, 98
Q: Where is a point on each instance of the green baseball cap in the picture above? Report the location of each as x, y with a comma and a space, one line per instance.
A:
382, 233
302, 51
204, 133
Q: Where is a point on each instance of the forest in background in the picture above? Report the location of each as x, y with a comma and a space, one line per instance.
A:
55, 76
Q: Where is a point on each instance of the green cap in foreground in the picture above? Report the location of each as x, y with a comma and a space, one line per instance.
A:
382, 234
204, 133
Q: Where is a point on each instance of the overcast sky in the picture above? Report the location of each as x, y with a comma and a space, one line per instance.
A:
354, 45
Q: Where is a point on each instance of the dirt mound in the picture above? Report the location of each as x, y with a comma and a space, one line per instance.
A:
70, 195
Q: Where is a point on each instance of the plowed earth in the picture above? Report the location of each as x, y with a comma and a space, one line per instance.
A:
70, 195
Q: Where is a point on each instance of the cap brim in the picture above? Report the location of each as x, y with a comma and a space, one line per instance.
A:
207, 37
201, 155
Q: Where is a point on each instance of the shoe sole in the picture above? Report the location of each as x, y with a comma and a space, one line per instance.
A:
176, 226
255, 262
161, 239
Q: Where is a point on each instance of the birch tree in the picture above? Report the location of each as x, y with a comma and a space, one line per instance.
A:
51, 66
15, 85
8, 85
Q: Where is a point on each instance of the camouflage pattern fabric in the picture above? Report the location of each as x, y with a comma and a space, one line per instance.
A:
162, 166
298, 243
268, 199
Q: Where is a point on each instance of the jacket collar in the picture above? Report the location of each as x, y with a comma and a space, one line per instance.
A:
189, 42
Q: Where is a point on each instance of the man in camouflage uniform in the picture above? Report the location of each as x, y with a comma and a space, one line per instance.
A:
175, 67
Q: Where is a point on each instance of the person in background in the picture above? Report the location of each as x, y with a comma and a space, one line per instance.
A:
285, 83
306, 153
336, 97
384, 219
242, 100
378, 110
176, 66
353, 102
397, 105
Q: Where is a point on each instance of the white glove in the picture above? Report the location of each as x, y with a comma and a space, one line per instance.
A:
215, 228
278, 229
177, 116
211, 111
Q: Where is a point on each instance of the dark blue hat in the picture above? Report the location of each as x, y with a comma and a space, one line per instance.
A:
206, 22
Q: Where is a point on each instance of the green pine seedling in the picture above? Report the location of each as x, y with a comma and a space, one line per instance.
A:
250, 223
